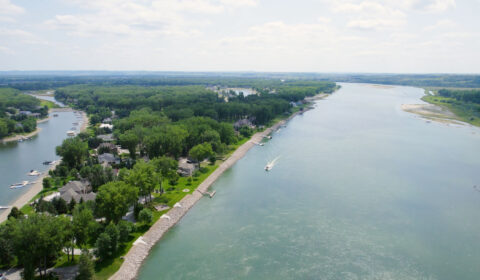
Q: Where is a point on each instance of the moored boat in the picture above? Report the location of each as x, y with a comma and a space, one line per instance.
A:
19, 185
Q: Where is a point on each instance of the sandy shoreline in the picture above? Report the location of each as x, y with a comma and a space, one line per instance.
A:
133, 260
432, 112
21, 136
25, 198
38, 185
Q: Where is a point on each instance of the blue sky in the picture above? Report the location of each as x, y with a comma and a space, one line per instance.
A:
406, 36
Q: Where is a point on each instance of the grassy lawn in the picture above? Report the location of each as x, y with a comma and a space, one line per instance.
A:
464, 112
49, 104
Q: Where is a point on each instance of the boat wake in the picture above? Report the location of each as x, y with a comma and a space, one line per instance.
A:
271, 164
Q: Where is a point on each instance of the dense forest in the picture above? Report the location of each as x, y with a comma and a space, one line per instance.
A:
18, 112
54, 79
469, 96
180, 102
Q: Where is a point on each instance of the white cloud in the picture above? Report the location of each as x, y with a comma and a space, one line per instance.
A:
6, 50
370, 14
8, 11
150, 18
441, 25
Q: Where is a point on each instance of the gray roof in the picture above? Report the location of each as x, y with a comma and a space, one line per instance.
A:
76, 186
106, 137
108, 158
77, 190
70, 194
185, 168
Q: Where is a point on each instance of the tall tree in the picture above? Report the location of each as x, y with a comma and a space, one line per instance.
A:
73, 152
114, 198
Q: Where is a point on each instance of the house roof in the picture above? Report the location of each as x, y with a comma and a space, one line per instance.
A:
107, 157
106, 137
75, 186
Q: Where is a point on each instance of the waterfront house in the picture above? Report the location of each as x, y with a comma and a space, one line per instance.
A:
244, 122
108, 159
186, 167
106, 137
78, 191
110, 147
106, 125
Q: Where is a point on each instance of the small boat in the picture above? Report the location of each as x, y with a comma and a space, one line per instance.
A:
71, 133
270, 165
75, 123
4, 207
55, 115
268, 137
261, 144
47, 162
19, 185
34, 173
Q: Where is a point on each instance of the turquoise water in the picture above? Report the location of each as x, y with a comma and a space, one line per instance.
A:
362, 190
17, 159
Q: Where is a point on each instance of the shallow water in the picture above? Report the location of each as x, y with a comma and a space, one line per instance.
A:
17, 159
362, 190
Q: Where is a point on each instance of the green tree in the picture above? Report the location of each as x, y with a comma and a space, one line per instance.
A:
37, 239
6, 248
144, 177
82, 221
15, 213
201, 152
113, 200
47, 182
103, 248
114, 234
73, 152
124, 229
145, 216
3, 128
86, 267
129, 140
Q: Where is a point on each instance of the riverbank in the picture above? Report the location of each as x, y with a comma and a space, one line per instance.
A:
21, 136
135, 257
37, 187
25, 198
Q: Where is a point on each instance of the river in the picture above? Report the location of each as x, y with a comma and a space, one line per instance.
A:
18, 158
362, 190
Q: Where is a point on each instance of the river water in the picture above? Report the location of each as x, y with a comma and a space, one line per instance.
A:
362, 190
18, 158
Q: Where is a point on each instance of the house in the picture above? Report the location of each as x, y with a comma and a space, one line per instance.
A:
107, 146
106, 125
26, 113
78, 191
108, 158
106, 137
107, 121
244, 122
186, 167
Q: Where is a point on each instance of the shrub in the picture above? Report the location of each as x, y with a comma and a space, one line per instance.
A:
47, 182
145, 216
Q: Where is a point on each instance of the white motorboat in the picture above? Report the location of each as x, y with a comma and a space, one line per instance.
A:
4, 207
19, 185
271, 164
34, 173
